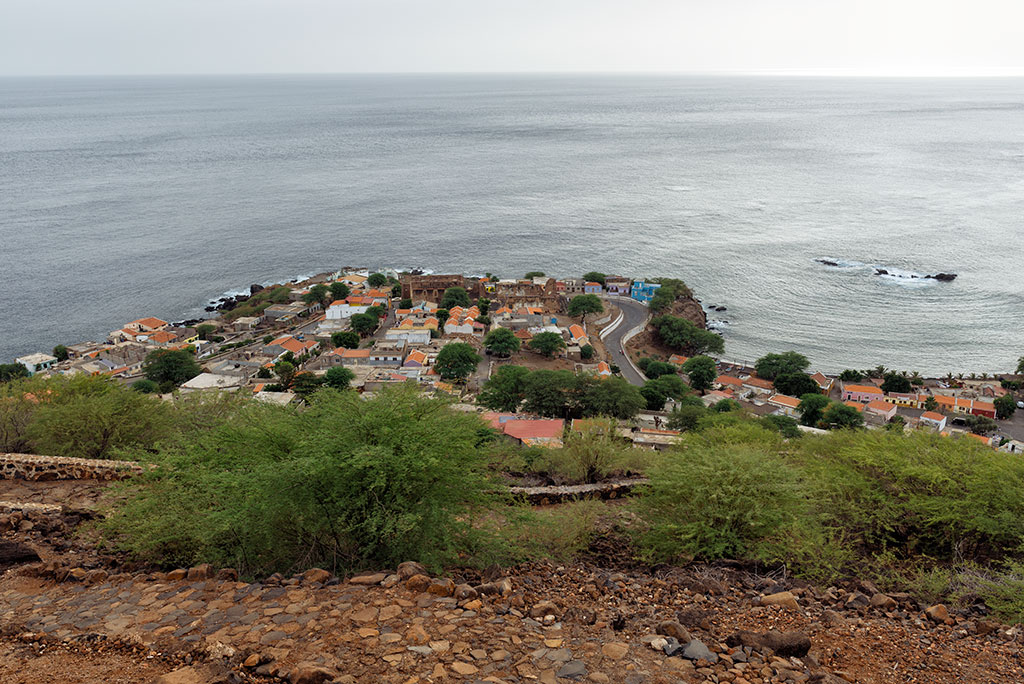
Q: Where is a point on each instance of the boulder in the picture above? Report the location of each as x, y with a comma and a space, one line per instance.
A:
200, 572
791, 644
673, 629
883, 602
501, 587
308, 673
464, 592
15, 553
227, 575
543, 608
410, 568
417, 583
696, 650
368, 580
782, 598
441, 587
937, 613
175, 575
317, 575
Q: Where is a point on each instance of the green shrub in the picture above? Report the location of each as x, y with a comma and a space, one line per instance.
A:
347, 484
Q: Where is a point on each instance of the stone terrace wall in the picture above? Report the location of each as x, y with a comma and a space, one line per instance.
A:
42, 468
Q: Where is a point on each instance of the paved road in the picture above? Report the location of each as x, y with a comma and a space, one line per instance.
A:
634, 313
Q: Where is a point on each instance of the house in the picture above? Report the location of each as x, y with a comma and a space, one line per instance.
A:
902, 399
591, 288
969, 407
243, 323
617, 285
543, 432
824, 382
786, 404
146, 325
346, 308
282, 345
651, 438
431, 287
933, 420
355, 281
353, 357
642, 291
880, 409
758, 385
213, 381
412, 337
571, 286
729, 381
714, 396
415, 323
463, 321
678, 359
603, 369
387, 353
577, 335
862, 393
282, 313
855, 404
415, 359
36, 363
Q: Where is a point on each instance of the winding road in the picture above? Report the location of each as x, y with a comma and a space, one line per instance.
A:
633, 314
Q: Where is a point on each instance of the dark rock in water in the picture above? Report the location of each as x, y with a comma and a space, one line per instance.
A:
881, 271
826, 262
945, 277
253, 289
720, 308
211, 309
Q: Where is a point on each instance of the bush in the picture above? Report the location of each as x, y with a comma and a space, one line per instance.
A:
347, 484
720, 502
591, 454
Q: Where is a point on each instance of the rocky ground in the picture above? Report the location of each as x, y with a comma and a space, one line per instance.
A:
79, 617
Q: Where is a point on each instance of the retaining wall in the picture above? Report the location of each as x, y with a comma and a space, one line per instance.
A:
41, 468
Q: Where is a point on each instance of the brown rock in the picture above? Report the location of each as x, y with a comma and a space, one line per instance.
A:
227, 575
368, 580
318, 575
96, 577
307, 673
417, 583
937, 613
674, 629
787, 644
417, 636
615, 650
410, 568
464, 668
464, 592
986, 627
252, 661
782, 598
77, 574
210, 673
441, 587
831, 618
502, 587
543, 608
883, 602
200, 572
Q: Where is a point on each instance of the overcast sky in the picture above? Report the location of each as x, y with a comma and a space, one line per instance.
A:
862, 37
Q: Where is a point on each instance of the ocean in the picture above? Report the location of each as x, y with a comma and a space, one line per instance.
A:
124, 197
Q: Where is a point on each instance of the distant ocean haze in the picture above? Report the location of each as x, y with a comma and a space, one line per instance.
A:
128, 197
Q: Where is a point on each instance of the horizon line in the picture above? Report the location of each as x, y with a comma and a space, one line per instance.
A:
766, 73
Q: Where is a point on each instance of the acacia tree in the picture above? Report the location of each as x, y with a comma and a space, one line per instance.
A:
504, 390
770, 366
502, 341
346, 339
686, 337
376, 279
894, 382
456, 361
547, 343
1005, 406
839, 415
594, 277
339, 377
170, 367
60, 352
364, 324
530, 275
318, 294
582, 305
796, 384
339, 291
812, 408
285, 373
702, 371
455, 296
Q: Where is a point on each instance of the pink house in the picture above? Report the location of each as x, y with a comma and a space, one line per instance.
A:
863, 393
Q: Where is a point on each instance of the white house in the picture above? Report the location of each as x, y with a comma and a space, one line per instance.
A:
416, 336
934, 420
35, 363
341, 309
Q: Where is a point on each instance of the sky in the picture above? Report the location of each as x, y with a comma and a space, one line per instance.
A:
849, 37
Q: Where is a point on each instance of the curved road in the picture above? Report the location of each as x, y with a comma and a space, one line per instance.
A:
633, 314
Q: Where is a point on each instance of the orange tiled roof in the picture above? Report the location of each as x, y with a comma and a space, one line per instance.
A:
149, 322
854, 404
880, 406
353, 353
785, 400
932, 415
729, 380
758, 382
862, 389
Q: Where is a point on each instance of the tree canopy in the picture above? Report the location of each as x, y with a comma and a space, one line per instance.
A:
582, 305
364, 324
339, 377
1005, 406
547, 343
894, 382
339, 291
60, 352
594, 277
171, 366
684, 336
12, 371
502, 341
376, 280
839, 415
770, 366
456, 361
671, 289
702, 371
812, 408
504, 390
560, 394
455, 296
346, 339
533, 274
795, 384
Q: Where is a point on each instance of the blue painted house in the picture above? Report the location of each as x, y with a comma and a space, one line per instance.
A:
643, 292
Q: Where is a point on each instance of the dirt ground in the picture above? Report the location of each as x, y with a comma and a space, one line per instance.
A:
22, 663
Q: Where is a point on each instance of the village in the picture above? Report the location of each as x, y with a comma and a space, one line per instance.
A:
386, 328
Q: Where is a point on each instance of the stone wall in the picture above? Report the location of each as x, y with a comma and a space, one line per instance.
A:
43, 468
